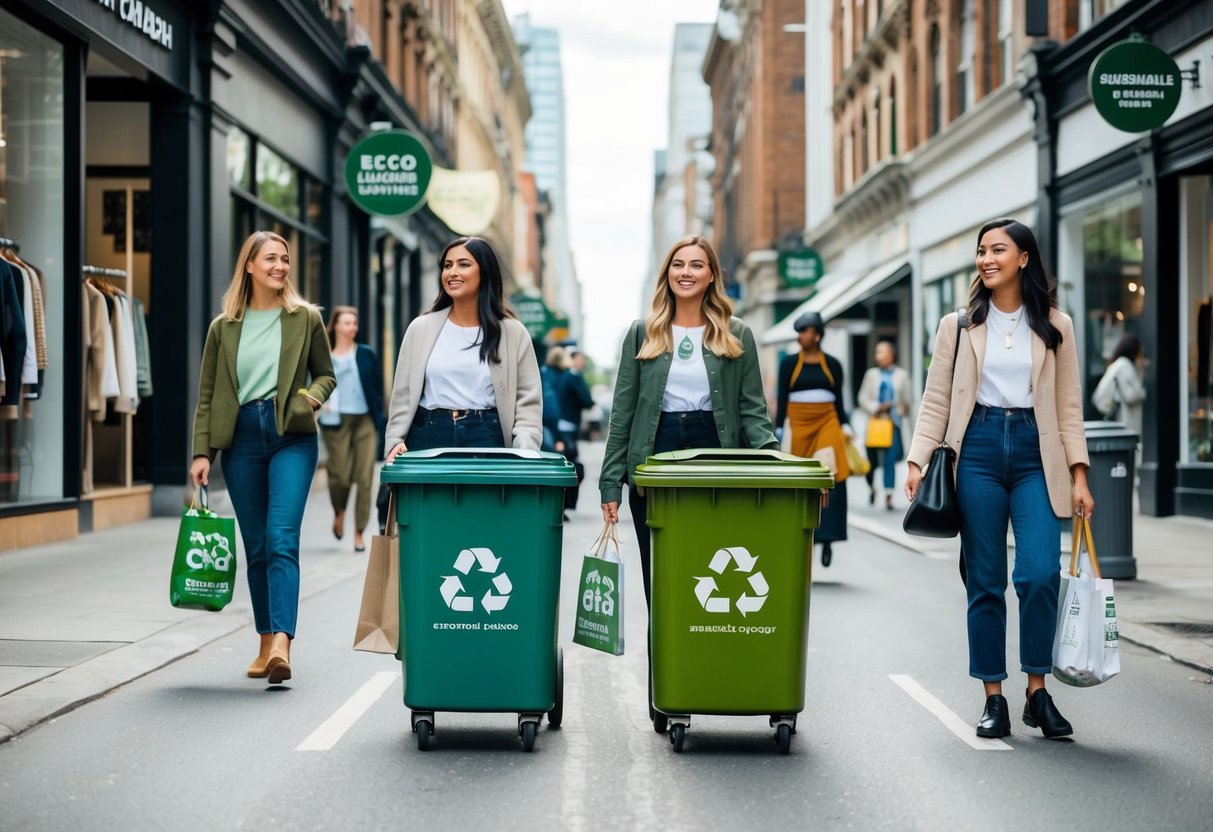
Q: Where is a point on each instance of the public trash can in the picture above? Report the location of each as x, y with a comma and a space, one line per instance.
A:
1112, 448
732, 534
480, 553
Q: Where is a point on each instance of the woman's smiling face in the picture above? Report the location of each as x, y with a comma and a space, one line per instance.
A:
690, 273
460, 273
270, 267
999, 260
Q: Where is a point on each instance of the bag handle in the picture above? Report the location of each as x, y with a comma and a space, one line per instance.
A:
1080, 534
391, 528
608, 535
202, 504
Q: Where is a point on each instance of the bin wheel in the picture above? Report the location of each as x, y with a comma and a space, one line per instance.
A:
661, 722
678, 735
528, 735
556, 715
424, 729
783, 737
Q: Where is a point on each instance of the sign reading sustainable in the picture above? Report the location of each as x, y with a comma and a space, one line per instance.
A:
801, 268
388, 173
1135, 85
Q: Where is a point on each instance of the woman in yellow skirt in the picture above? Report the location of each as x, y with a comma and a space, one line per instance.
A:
810, 398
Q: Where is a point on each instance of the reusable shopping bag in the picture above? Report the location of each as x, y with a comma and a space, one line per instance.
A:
378, 629
204, 565
1086, 648
857, 459
880, 431
599, 623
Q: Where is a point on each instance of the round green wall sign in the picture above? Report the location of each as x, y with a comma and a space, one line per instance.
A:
1135, 85
387, 173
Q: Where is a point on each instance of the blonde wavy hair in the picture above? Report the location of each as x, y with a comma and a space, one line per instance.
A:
717, 308
236, 298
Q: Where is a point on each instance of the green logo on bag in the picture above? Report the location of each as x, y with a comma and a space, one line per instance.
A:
599, 599
201, 555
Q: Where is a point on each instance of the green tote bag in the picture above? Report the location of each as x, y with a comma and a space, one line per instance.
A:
204, 565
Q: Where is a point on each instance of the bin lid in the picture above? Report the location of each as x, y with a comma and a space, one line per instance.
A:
732, 468
1108, 430
480, 466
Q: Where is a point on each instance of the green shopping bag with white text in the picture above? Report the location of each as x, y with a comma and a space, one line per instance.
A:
599, 623
204, 565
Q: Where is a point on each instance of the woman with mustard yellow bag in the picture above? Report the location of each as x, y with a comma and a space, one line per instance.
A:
810, 398
886, 397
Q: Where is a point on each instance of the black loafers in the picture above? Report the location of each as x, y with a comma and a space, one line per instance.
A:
996, 718
1040, 712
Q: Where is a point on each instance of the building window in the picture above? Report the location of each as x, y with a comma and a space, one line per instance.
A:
1197, 258
863, 143
893, 116
912, 114
936, 82
1006, 41
876, 131
965, 83
1090, 11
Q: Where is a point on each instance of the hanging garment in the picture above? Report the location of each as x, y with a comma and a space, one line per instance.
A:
12, 338
29, 366
95, 331
143, 352
124, 349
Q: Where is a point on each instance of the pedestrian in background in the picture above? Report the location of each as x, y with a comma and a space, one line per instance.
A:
688, 377
267, 333
467, 375
551, 401
352, 421
1120, 394
1011, 407
574, 398
809, 396
885, 393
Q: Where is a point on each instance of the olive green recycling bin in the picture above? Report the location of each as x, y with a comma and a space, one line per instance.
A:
732, 535
480, 553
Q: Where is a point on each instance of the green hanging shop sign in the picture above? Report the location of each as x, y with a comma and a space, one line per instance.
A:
800, 269
1134, 85
387, 173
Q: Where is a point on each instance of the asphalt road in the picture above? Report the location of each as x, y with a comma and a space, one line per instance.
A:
886, 739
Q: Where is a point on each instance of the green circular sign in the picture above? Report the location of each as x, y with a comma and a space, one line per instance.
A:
387, 173
1135, 85
799, 269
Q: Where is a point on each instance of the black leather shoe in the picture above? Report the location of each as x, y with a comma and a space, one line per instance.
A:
1040, 712
996, 718
827, 553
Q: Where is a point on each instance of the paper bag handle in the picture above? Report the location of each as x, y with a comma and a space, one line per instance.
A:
1082, 532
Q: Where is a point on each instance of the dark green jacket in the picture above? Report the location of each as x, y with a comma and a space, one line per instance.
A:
738, 405
305, 352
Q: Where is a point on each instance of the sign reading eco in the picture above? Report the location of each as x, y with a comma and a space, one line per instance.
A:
1135, 85
387, 173
799, 269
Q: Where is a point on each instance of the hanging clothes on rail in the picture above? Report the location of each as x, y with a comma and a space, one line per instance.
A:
13, 339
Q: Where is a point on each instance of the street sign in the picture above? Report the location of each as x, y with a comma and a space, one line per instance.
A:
533, 313
387, 173
1135, 85
800, 269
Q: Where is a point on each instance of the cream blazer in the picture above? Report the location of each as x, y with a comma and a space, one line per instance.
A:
516, 383
1057, 395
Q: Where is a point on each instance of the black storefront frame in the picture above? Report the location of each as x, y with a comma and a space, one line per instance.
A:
1155, 162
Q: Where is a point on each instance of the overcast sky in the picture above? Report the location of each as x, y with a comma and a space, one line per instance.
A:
616, 59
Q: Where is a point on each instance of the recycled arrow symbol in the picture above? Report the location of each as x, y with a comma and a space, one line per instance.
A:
748, 603
465, 560
494, 603
502, 582
719, 561
488, 563
704, 590
745, 561
451, 588
759, 583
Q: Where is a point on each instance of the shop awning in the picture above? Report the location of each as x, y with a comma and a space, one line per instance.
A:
840, 296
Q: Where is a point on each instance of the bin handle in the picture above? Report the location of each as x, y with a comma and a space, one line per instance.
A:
472, 453
713, 455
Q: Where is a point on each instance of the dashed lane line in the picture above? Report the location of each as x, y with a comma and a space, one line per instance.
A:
945, 715
334, 728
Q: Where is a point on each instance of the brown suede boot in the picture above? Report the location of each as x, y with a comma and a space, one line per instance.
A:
258, 669
279, 664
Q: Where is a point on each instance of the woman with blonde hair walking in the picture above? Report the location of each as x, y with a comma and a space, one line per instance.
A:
257, 405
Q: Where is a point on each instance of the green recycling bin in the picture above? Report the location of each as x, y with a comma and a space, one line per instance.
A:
480, 553
732, 533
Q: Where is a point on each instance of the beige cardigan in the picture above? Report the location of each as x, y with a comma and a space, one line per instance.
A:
516, 383
1057, 395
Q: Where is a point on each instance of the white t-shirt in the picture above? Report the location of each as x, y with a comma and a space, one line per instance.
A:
455, 377
1006, 374
687, 387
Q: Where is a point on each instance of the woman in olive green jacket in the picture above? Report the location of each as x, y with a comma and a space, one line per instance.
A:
255, 403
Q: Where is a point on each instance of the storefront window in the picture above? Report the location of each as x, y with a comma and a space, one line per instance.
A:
1198, 262
1112, 282
32, 282
277, 182
941, 297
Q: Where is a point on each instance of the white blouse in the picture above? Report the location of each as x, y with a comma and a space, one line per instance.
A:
455, 377
1006, 373
687, 387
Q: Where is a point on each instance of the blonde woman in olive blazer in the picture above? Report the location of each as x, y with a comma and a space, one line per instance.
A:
256, 406
1011, 407
433, 407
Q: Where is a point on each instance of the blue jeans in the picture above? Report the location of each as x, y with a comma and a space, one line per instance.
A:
886, 459
443, 429
999, 478
269, 477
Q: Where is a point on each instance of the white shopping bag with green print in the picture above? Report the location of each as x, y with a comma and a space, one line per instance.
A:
599, 622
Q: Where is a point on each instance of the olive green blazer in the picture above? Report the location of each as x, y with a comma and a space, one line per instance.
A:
305, 352
738, 405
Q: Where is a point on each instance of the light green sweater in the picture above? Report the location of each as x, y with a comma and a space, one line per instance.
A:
257, 355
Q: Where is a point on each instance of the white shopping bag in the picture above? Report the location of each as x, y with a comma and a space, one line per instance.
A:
1086, 647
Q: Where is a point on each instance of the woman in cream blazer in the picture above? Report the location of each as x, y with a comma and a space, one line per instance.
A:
1012, 410
467, 374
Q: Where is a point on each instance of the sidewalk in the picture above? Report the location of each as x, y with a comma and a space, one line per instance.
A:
82, 617
1167, 609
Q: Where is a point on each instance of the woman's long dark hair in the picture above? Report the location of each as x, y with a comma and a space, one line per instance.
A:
1039, 291
1129, 346
490, 304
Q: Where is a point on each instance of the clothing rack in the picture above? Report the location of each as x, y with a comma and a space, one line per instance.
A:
97, 270
6, 242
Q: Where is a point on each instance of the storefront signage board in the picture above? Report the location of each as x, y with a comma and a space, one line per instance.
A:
1134, 85
388, 173
800, 269
533, 313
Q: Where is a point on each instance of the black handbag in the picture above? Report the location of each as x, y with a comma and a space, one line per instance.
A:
934, 511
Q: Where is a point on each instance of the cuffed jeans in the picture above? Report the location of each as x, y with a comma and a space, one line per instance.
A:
269, 477
999, 478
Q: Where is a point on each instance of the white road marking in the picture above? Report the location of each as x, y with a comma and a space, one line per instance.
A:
334, 728
945, 715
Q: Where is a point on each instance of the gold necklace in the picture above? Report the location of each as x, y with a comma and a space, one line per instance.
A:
1009, 336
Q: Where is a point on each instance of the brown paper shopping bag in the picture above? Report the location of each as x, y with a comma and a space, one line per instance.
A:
379, 618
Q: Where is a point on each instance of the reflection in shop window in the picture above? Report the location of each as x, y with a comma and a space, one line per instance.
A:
239, 159
277, 182
1198, 246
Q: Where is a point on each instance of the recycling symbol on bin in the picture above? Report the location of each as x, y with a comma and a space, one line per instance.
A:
454, 593
705, 587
